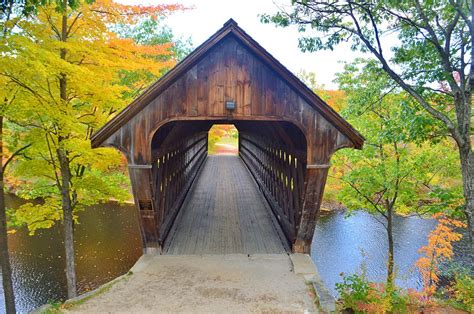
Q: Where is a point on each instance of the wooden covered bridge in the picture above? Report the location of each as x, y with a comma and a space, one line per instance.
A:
267, 199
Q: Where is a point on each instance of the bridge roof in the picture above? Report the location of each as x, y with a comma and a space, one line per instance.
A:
230, 28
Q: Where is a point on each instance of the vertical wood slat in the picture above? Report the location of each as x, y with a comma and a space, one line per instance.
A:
175, 170
140, 177
270, 166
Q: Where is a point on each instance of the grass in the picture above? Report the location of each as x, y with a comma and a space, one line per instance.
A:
213, 148
58, 307
229, 140
313, 295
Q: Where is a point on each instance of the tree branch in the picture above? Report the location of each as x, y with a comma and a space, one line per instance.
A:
16, 153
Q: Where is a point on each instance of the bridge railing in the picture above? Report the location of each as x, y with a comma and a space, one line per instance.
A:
279, 175
174, 171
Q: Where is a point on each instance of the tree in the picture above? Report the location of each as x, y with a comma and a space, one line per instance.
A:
334, 98
397, 169
433, 58
17, 9
151, 32
67, 64
10, 12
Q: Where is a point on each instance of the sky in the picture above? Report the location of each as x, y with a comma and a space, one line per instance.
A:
207, 16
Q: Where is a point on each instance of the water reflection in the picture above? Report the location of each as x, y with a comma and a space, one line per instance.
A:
359, 242
107, 245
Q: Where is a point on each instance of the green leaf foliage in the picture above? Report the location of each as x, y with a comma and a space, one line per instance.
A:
399, 168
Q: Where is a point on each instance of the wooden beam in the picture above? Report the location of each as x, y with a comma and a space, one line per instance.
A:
315, 180
287, 140
140, 177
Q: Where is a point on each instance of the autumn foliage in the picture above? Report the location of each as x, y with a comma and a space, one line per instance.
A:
101, 69
438, 250
223, 139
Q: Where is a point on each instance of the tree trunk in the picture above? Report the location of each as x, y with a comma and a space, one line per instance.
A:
467, 168
68, 223
63, 158
4, 256
390, 260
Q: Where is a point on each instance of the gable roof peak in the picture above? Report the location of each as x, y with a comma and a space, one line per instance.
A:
231, 22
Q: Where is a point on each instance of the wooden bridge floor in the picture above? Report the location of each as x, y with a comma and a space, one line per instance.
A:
224, 213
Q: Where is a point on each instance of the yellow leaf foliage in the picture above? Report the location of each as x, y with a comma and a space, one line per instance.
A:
65, 74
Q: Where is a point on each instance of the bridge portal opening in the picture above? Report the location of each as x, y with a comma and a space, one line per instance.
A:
228, 186
223, 140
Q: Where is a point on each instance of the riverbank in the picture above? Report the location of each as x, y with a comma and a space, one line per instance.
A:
108, 245
330, 206
209, 283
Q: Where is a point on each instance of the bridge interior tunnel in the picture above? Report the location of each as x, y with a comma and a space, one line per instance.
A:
250, 203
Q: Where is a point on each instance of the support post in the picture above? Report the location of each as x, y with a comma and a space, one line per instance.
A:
315, 180
141, 179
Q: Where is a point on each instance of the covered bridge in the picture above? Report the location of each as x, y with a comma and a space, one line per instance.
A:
270, 194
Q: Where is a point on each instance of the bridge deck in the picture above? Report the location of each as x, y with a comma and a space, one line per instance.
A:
224, 213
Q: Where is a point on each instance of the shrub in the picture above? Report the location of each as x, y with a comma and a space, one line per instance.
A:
361, 296
353, 291
463, 292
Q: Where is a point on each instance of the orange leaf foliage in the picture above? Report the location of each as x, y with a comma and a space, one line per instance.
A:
438, 249
337, 99
119, 13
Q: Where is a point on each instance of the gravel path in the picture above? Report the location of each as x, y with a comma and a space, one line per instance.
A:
204, 284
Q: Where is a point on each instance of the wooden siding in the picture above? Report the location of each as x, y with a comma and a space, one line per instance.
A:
230, 72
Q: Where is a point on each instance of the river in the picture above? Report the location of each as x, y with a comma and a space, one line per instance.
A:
108, 244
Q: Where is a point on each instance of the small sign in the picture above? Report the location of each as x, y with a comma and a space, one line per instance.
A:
230, 105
